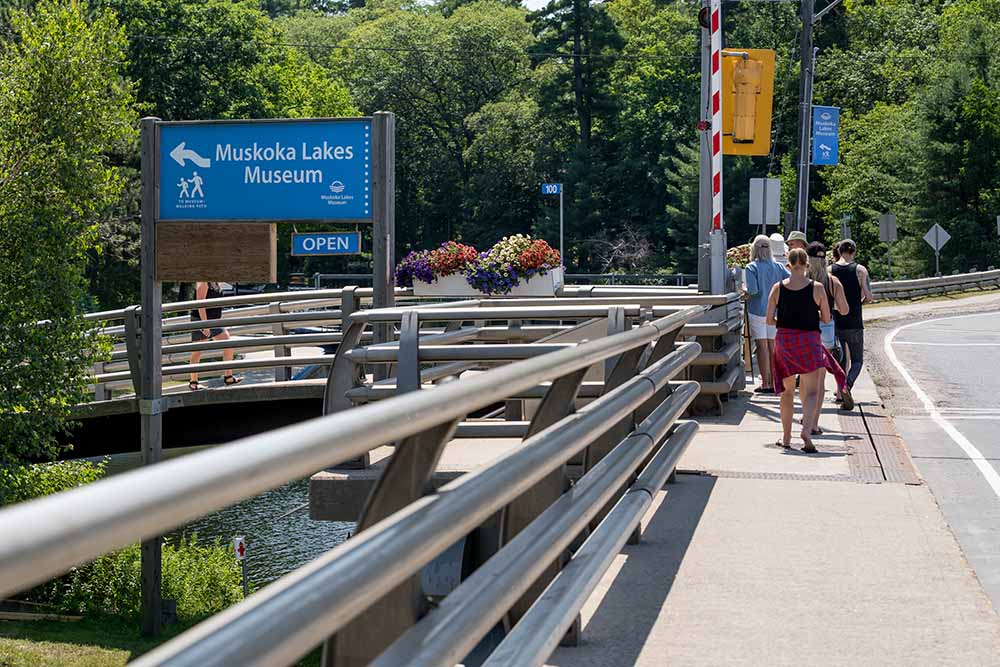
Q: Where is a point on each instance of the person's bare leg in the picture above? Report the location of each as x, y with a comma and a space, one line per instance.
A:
787, 410
764, 362
809, 408
228, 354
195, 358
820, 393
770, 360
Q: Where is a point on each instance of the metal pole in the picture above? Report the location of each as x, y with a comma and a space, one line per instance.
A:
805, 110
562, 252
937, 251
150, 387
384, 227
705, 179
246, 584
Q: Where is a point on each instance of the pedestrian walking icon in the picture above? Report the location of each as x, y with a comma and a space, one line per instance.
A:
196, 181
190, 188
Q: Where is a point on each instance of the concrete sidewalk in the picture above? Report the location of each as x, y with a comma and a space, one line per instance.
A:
774, 557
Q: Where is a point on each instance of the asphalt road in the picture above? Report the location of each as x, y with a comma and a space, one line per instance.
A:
938, 371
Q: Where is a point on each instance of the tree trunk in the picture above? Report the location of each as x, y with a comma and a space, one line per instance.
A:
580, 7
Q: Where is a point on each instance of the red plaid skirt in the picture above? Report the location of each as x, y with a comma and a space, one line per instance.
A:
798, 353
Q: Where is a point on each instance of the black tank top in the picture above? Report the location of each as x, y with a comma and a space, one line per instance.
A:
797, 309
848, 276
214, 292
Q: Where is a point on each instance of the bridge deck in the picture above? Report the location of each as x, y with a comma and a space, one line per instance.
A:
780, 558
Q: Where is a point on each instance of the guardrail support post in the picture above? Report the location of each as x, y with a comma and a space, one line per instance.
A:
101, 392
617, 323
281, 373
559, 402
408, 366
405, 479
132, 346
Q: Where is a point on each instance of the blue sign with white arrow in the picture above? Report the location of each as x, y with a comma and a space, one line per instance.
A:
265, 170
826, 135
326, 243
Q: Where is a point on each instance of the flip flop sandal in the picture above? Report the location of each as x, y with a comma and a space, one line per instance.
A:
817, 431
783, 444
194, 386
809, 449
231, 380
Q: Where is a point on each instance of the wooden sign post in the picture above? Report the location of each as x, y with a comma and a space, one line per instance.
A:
210, 201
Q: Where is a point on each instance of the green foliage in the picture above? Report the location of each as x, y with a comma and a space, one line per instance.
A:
204, 579
19, 483
63, 107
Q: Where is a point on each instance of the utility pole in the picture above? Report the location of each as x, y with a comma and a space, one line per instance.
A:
808, 56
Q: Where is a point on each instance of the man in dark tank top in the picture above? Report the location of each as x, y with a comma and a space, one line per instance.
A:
851, 327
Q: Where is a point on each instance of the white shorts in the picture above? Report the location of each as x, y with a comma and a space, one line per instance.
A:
759, 329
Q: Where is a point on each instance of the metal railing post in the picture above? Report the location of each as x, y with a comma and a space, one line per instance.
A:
408, 365
132, 346
281, 373
101, 391
559, 402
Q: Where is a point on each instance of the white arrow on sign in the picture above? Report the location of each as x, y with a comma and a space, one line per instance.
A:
180, 154
825, 147
936, 237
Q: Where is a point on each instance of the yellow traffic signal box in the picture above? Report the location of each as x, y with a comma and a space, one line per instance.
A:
747, 99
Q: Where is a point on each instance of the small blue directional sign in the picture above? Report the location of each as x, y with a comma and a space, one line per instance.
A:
265, 170
326, 243
826, 135
551, 188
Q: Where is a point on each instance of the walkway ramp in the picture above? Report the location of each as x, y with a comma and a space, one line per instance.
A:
764, 556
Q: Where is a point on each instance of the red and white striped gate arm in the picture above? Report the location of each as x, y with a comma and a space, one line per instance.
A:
715, 23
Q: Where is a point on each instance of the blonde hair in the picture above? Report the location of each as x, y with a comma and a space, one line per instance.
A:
798, 257
817, 272
760, 249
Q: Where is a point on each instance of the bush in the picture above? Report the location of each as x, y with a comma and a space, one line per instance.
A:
20, 483
204, 579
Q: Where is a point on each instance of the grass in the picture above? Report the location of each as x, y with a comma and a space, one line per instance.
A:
92, 642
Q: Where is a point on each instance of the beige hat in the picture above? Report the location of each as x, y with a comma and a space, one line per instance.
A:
798, 236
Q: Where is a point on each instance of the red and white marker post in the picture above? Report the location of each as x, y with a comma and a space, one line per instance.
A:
715, 30
240, 551
717, 237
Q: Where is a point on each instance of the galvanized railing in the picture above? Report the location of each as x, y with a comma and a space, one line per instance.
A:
367, 592
267, 322
257, 322
676, 279
912, 289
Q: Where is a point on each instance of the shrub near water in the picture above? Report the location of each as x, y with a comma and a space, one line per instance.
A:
203, 578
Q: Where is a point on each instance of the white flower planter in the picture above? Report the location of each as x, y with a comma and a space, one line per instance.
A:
457, 285
453, 285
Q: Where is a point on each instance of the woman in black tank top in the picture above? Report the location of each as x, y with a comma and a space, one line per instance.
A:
202, 291
797, 306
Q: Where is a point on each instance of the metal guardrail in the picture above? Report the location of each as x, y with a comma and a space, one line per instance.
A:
262, 322
910, 289
257, 321
367, 590
678, 279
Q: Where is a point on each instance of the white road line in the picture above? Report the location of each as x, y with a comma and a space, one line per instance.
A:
908, 342
976, 456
